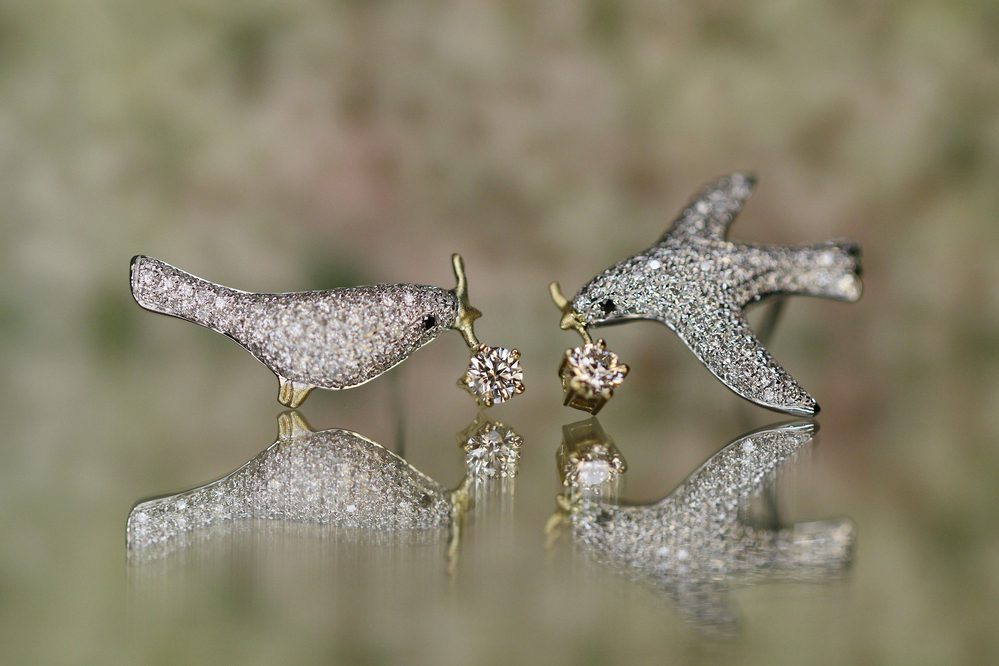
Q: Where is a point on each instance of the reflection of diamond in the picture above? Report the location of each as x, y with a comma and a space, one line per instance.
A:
494, 375
493, 451
588, 459
593, 468
589, 376
593, 473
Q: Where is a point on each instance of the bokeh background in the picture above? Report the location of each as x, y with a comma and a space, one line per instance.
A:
301, 144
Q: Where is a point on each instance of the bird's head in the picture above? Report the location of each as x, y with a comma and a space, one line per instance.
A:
611, 297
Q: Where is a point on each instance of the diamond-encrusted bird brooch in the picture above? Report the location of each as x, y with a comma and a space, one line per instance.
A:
698, 283
332, 339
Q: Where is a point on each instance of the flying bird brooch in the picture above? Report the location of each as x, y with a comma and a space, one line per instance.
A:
698, 283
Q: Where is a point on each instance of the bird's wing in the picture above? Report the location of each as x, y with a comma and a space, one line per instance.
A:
713, 209
724, 477
722, 339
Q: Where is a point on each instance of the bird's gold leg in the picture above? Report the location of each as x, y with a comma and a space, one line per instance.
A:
292, 394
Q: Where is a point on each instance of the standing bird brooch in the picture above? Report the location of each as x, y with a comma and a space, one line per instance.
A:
332, 339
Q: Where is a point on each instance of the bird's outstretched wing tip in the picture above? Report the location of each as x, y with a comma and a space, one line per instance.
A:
808, 409
713, 209
805, 410
799, 424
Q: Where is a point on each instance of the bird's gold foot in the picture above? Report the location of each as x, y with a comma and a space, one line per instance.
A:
292, 394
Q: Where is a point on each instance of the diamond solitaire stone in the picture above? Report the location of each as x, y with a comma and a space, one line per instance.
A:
590, 374
494, 375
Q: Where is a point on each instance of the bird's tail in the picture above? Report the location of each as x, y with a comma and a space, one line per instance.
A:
159, 287
157, 522
829, 270
815, 551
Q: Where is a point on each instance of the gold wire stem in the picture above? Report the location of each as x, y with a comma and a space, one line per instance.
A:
570, 318
460, 502
466, 315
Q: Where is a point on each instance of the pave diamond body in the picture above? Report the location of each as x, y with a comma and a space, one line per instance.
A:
333, 339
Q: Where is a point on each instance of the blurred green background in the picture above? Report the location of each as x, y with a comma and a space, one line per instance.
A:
296, 144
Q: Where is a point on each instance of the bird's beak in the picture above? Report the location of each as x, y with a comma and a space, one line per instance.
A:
571, 320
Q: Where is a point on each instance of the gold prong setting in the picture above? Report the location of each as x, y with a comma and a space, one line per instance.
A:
494, 374
590, 374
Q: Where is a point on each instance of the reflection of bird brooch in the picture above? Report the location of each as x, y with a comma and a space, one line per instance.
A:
697, 283
334, 477
702, 540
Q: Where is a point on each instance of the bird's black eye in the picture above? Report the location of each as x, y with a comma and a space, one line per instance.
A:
607, 306
429, 322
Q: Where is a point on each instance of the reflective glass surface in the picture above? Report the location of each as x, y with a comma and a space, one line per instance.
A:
310, 144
